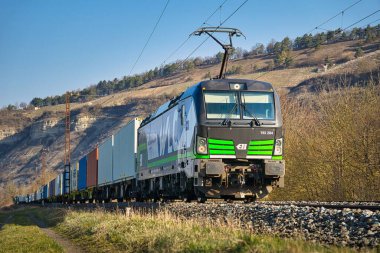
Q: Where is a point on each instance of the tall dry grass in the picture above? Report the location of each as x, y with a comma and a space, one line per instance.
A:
332, 143
100, 231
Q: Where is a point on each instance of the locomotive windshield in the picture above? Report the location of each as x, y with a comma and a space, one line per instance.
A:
257, 105
222, 105
239, 104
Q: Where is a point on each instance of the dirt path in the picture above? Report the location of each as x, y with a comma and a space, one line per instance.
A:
67, 246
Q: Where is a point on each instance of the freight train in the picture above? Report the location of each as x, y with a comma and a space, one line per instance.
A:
220, 139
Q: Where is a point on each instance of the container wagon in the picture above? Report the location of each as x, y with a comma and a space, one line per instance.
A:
218, 139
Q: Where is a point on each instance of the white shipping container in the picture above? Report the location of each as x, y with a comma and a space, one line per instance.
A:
38, 197
58, 185
62, 182
48, 190
124, 151
21, 199
105, 162
74, 176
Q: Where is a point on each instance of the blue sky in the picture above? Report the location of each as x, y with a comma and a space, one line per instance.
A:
48, 47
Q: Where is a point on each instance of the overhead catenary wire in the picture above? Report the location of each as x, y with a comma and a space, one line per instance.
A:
188, 38
182, 44
263, 74
215, 11
373, 13
224, 21
329, 19
219, 8
373, 21
150, 36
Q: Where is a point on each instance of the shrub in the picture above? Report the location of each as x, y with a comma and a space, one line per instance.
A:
332, 145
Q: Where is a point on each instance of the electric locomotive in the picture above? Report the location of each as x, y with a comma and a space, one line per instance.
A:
221, 138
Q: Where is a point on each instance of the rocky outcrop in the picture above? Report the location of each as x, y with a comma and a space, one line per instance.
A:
9, 135
82, 122
47, 126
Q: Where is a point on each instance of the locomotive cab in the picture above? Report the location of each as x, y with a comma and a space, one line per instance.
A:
238, 141
218, 139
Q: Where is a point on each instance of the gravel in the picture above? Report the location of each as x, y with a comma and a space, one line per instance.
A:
347, 227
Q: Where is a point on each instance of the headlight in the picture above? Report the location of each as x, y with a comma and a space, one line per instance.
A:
201, 145
278, 147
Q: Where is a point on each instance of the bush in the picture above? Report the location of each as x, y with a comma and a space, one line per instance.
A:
234, 70
332, 145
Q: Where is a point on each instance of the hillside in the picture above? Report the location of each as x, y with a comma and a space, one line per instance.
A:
25, 133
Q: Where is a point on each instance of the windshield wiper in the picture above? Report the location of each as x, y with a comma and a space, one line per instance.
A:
254, 118
227, 121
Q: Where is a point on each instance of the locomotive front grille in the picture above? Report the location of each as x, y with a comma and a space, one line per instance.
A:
260, 149
221, 148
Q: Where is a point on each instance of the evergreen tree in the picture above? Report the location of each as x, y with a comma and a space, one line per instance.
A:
297, 43
277, 47
37, 102
286, 44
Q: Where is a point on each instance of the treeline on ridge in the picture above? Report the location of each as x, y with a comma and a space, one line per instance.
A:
279, 50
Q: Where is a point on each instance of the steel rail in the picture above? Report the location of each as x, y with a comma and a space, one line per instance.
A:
370, 205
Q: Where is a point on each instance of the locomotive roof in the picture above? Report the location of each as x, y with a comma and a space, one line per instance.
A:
225, 84
214, 84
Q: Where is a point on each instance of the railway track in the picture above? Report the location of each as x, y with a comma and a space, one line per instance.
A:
371, 206
354, 224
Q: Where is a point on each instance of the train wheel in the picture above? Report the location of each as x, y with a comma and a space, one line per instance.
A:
249, 200
186, 198
201, 199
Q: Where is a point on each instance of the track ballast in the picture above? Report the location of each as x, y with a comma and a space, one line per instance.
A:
355, 224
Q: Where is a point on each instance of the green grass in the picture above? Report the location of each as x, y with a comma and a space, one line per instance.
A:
21, 235
100, 231
107, 232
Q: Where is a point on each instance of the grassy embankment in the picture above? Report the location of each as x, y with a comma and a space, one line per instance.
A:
332, 143
19, 234
100, 231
